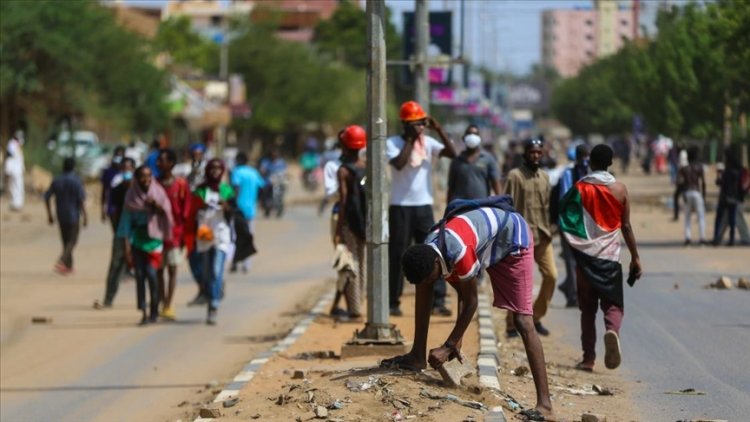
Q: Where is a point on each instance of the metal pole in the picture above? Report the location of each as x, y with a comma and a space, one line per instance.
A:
377, 329
421, 80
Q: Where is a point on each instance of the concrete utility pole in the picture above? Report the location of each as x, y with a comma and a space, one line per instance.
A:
422, 42
378, 331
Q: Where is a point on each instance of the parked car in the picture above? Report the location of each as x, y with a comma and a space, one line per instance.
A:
91, 156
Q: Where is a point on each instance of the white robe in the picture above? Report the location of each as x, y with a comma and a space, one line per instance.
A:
14, 169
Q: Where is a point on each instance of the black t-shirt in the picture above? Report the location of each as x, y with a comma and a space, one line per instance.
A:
69, 196
117, 197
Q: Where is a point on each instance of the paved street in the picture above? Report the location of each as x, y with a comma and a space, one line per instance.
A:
97, 365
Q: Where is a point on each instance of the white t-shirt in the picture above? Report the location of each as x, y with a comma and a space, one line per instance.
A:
412, 186
330, 177
213, 216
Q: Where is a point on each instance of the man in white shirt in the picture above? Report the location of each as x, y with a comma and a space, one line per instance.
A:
410, 213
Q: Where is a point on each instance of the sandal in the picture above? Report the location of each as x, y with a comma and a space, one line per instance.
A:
585, 367
398, 363
532, 415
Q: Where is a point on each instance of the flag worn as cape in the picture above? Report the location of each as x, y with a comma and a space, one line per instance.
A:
590, 219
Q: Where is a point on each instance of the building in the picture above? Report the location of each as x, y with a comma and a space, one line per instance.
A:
297, 19
573, 38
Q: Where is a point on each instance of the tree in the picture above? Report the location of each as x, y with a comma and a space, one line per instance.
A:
185, 46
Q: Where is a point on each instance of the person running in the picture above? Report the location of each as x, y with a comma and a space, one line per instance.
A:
693, 183
467, 241
117, 262
208, 232
474, 173
247, 183
145, 225
108, 175
592, 215
572, 174
71, 212
178, 191
410, 213
529, 186
351, 224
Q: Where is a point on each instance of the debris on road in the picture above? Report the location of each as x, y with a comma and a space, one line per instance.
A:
319, 354
602, 391
450, 397
209, 413
321, 412
723, 283
686, 392
41, 320
230, 402
362, 385
592, 417
520, 371
299, 374
454, 371
743, 283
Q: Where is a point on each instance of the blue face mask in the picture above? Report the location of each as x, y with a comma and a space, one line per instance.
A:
127, 175
585, 163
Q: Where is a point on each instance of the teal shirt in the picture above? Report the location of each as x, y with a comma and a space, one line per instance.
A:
134, 226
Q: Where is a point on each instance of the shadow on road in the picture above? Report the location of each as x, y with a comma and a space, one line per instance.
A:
129, 324
74, 388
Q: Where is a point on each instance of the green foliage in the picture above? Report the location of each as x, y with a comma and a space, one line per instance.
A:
289, 85
185, 46
66, 59
679, 81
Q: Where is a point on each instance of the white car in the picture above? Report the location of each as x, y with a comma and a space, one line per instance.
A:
91, 157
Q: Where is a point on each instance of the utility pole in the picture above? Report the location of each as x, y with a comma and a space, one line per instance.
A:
421, 76
378, 331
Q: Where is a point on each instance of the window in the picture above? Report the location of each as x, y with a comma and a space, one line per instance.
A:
623, 22
589, 22
589, 37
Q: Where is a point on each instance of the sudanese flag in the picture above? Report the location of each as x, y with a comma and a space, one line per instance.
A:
590, 219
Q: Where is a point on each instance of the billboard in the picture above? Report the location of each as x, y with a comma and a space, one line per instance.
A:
440, 47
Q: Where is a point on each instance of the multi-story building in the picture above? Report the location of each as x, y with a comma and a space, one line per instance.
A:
573, 38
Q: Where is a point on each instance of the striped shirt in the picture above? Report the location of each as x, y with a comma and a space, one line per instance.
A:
478, 239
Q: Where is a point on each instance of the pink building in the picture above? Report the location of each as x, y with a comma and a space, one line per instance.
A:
572, 38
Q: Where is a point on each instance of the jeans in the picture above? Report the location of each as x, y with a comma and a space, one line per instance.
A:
408, 224
694, 202
146, 273
213, 275
117, 265
588, 301
195, 260
69, 235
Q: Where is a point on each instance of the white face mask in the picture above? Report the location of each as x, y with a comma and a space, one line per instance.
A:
472, 141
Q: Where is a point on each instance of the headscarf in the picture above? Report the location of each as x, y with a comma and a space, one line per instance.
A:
159, 226
209, 181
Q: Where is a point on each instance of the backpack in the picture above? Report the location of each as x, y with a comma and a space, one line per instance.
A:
460, 206
356, 202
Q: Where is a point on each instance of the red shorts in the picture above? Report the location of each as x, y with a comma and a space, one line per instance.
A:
513, 282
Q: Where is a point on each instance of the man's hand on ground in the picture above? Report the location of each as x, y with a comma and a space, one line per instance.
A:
440, 355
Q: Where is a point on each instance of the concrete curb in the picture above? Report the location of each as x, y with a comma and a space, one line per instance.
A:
488, 359
248, 372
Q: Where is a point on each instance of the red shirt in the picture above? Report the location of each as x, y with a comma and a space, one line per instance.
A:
179, 197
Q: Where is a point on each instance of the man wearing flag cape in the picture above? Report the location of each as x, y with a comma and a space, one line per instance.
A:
592, 216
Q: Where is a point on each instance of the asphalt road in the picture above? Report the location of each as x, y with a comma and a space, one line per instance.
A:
97, 365
677, 335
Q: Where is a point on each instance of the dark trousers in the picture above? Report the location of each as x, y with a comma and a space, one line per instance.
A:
588, 301
731, 213
195, 260
568, 286
69, 235
407, 225
117, 266
146, 273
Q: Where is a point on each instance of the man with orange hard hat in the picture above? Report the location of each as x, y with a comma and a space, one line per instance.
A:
410, 213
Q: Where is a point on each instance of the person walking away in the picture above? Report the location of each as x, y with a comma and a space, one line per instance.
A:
106, 179
468, 239
309, 162
274, 170
247, 183
474, 173
117, 262
572, 174
71, 212
14, 169
341, 258
530, 189
208, 232
351, 224
178, 192
692, 179
410, 213
330, 160
730, 196
145, 225
593, 214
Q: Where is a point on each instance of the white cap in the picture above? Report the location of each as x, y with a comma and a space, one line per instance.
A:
472, 141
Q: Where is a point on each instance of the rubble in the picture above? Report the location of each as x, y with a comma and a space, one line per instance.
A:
41, 320
686, 392
592, 417
299, 374
723, 283
450, 397
520, 371
209, 413
321, 412
230, 402
743, 283
319, 354
602, 391
454, 371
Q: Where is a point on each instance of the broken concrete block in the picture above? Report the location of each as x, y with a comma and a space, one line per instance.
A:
321, 412
743, 283
722, 283
453, 371
298, 374
520, 371
209, 413
230, 402
591, 417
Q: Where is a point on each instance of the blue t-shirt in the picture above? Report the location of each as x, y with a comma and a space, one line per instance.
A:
151, 159
248, 182
69, 196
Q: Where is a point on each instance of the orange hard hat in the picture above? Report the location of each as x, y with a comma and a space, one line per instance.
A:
410, 111
354, 137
